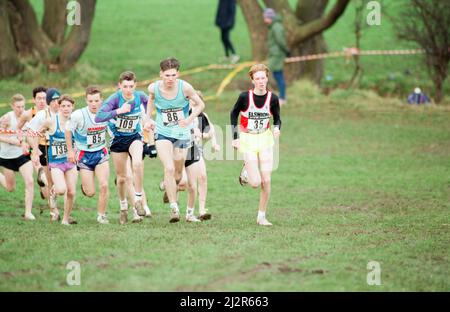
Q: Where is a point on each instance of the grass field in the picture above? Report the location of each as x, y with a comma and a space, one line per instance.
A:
361, 178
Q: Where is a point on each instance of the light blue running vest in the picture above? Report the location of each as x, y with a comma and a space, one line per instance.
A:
92, 137
168, 112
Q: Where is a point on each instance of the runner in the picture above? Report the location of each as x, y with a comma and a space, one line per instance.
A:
256, 140
171, 97
14, 156
40, 146
40, 104
92, 156
64, 173
196, 167
125, 109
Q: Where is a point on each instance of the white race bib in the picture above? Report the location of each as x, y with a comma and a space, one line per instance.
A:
59, 148
171, 117
127, 124
257, 125
96, 136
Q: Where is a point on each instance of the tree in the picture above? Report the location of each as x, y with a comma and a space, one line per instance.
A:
24, 38
304, 28
427, 22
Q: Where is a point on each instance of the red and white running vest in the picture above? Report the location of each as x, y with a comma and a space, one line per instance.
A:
254, 119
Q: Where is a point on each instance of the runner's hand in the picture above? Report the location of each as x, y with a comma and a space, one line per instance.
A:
126, 108
235, 143
216, 148
149, 125
71, 156
276, 133
184, 123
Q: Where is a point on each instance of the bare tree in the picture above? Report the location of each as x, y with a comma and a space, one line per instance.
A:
22, 37
427, 22
304, 27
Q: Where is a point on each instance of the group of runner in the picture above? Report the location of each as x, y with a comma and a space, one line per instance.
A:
64, 142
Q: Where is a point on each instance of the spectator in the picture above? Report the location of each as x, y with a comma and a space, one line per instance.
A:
418, 97
278, 50
226, 12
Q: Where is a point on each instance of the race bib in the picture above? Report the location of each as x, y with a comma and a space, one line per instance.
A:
171, 117
59, 148
257, 125
96, 137
127, 124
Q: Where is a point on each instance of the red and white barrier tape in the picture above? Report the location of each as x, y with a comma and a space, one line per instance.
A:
27, 133
349, 52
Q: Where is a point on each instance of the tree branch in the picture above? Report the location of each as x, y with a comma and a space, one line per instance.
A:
315, 27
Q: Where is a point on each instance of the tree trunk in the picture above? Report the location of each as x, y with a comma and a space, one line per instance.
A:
79, 36
38, 40
54, 22
307, 12
303, 27
9, 61
253, 15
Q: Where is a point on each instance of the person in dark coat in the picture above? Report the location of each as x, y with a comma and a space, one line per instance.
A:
225, 17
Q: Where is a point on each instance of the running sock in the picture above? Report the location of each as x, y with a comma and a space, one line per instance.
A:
137, 196
189, 211
173, 206
261, 214
124, 204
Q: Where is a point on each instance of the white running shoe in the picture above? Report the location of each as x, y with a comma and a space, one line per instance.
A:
136, 217
243, 176
41, 177
174, 215
138, 205
29, 217
162, 188
65, 222
148, 213
192, 218
234, 59
263, 221
102, 219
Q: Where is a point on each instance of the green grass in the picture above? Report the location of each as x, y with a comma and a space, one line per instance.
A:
360, 179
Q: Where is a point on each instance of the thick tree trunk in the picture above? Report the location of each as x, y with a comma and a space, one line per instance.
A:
38, 40
303, 27
79, 36
253, 15
9, 61
54, 22
22, 37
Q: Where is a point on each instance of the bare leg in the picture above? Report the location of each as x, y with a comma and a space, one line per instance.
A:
71, 182
26, 171
102, 174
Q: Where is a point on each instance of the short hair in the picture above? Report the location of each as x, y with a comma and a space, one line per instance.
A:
38, 90
169, 63
127, 75
66, 97
93, 90
256, 68
17, 98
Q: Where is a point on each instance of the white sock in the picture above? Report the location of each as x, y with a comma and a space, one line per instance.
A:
189, 211
173, 206
137, 196
124, 205
261, 214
